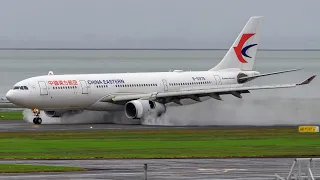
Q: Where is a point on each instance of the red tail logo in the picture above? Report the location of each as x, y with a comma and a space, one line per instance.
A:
242, 51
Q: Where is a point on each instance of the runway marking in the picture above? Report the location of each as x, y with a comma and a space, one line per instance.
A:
221, 170
226, 170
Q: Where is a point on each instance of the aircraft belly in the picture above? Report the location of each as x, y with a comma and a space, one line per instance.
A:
105, 106
63, 101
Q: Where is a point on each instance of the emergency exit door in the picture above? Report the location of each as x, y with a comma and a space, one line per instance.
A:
43, 88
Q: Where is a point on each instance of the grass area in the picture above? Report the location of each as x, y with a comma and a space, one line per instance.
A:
24, 168
260, 142
11, 115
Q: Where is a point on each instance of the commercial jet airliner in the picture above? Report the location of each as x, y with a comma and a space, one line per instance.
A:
149, 93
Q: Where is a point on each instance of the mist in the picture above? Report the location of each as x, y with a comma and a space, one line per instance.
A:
85, 117
239, 112
229, 112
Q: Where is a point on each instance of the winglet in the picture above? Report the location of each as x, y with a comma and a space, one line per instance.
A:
307, 81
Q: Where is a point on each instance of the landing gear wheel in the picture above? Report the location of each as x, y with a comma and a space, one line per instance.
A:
37, 120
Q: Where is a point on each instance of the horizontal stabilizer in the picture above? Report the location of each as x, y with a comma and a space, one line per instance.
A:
248, 78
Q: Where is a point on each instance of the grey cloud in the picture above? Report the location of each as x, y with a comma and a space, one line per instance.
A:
155, 23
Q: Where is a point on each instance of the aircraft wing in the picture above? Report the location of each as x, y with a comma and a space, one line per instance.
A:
213, 92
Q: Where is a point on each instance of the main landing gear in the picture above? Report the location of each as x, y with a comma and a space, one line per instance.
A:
36, 119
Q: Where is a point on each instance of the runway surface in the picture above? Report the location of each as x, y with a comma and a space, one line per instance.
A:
164, 169
22, 126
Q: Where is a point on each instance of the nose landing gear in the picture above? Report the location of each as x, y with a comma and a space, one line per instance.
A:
36, 119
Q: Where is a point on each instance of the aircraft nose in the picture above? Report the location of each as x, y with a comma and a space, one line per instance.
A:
10, 96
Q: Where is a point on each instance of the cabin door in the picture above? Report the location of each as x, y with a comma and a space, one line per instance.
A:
84, 86
218, 79
43, 88
165, 85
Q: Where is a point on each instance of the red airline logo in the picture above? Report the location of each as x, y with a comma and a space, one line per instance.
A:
242, 51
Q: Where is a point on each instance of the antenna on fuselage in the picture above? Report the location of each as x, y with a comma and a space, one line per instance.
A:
50, 73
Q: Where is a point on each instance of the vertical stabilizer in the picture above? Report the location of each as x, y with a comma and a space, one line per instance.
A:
242, 53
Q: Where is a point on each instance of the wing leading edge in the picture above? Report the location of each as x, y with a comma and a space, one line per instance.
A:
213, 92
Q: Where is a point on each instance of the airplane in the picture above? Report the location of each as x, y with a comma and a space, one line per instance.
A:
142, 94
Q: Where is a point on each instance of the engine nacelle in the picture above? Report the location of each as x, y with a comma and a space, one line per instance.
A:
138, 109
59, 113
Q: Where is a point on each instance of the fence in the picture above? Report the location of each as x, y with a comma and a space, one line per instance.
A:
302, 168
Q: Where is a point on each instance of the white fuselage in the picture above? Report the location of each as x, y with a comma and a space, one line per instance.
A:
84, 91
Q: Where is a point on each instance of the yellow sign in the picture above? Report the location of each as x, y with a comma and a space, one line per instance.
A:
308, 128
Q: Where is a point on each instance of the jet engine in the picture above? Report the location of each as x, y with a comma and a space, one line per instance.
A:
59, 113
138, 109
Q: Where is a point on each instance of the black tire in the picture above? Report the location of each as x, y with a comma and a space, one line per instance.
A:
39, 121
35, 121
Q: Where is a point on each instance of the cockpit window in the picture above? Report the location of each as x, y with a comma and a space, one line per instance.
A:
20, 87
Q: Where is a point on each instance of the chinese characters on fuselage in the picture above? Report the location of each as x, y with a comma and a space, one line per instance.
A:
63, 82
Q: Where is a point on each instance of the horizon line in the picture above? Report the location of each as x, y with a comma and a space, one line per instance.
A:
151, 49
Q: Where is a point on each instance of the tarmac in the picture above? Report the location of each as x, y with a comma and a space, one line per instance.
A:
23, 126
176, 169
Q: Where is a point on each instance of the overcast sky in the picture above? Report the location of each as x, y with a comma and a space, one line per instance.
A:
156, 23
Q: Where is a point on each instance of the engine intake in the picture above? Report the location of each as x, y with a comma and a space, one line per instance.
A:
138, 109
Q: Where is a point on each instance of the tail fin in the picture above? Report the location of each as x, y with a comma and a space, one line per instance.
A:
242, 53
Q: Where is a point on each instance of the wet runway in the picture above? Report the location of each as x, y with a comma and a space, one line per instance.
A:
164, 169
22, 126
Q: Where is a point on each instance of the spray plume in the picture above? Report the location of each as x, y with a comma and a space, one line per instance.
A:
231, 111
